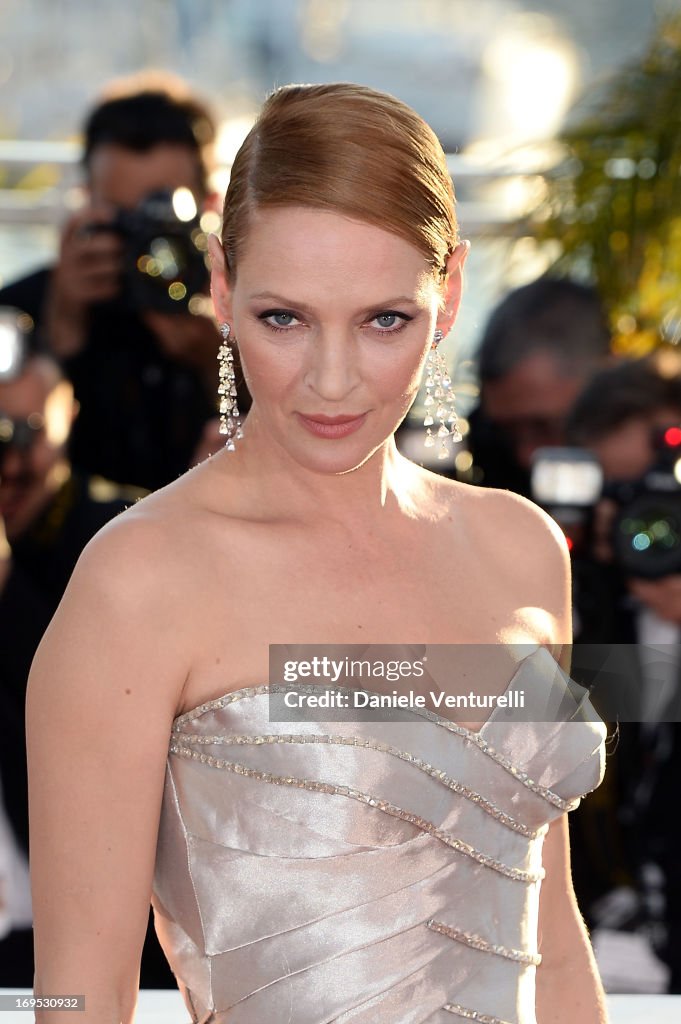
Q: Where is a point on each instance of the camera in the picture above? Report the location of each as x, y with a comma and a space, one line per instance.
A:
164, 251
15, 330
646, 533
646, 529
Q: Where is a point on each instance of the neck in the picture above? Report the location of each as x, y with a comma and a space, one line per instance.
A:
275, 482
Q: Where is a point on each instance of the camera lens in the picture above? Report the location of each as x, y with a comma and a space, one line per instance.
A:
165, 266
169, 271
647, 536
165, 262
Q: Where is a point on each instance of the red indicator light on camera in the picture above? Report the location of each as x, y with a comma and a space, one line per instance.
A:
672, 436
568, 539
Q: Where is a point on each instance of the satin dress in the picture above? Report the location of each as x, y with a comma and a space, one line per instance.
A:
372, 872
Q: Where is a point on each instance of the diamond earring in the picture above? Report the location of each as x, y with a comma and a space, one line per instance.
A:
230, 420
440, 395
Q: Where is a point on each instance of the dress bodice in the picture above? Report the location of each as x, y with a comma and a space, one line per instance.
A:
371, 872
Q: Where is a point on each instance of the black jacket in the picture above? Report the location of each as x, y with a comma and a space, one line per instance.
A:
141, 412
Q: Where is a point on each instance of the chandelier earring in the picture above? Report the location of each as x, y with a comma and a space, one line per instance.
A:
230, 420
439, 401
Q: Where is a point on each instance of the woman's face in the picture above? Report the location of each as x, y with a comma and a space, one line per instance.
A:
333, 319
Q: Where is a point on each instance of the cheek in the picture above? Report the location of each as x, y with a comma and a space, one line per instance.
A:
268, 370
402, 371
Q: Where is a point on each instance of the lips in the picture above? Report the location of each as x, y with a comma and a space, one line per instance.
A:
321, 418
331, 426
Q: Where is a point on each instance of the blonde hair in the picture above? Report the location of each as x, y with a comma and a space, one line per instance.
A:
347, 149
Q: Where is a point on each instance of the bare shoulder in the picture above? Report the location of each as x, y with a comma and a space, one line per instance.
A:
142, 550
166, 552
518, 545
507, 518
530, 527
530, 547
121, 613
132, 555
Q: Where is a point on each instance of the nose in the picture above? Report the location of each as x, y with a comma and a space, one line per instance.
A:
333, 369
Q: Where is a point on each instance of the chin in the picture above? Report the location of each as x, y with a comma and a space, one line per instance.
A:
337, 459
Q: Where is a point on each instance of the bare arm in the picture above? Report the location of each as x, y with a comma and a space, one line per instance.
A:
102, 693
568, 984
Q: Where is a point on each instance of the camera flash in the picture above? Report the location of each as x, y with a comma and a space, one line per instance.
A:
184, 204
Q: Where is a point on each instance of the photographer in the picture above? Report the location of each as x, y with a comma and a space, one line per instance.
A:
540, 346
628, 591
121, 308
621, 417
48, 513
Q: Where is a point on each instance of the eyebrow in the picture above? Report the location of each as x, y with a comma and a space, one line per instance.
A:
287, 303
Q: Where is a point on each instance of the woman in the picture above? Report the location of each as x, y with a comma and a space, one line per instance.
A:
280, 891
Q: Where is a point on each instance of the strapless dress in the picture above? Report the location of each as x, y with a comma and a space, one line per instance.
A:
364, 872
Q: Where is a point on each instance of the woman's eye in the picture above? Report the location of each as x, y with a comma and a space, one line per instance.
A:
278, 318
390, 322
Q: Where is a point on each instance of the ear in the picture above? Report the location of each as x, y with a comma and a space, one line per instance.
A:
219, 286
453, 287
